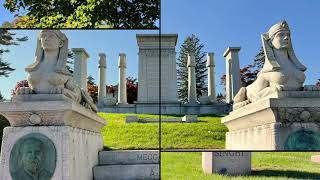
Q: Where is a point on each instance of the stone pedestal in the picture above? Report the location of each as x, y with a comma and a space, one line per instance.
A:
127, 165
67, 135
80, 67
102, 79
286, 120
122, 82
233, 81
150, 83
227, 163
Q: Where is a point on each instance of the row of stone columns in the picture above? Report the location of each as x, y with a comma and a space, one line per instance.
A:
192, 90
80, 74
233, 81
122, 81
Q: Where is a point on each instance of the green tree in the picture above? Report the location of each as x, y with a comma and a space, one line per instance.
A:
191, 44
7, 39
90, 80
85, 13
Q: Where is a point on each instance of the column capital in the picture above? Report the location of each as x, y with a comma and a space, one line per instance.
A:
231, 49
210, 61
191, 60
102, 60
122, 60
80, 50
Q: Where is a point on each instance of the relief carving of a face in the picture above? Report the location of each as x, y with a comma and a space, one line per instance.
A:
50, 41
281, 40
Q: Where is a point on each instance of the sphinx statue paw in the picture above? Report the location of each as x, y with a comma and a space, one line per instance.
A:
280, 88
57, 90
24, 90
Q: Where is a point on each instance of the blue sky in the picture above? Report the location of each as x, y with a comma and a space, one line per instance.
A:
218, 24
223, 23
109, 42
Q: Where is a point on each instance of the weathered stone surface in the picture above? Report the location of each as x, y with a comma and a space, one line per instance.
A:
76, 150
80, 67
149, 66
127, 172
126, 157
59, 111
130, 119
190, 118
286, 123
122, 82
233, 82
211, 78
227, 163
282, 71
102, 79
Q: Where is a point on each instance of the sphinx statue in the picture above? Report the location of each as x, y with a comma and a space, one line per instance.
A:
282, 71
49, 75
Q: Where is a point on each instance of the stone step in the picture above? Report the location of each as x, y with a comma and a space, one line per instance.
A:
126, 172
127, 157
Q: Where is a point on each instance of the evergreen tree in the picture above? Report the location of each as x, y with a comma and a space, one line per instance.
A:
90, 80
191, 44
7, 39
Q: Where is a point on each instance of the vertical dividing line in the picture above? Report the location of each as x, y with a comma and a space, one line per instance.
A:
160, 90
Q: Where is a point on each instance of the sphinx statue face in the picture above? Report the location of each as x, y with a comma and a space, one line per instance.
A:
50, 41
281, 40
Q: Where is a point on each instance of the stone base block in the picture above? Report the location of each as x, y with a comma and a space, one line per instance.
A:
126, 157
190, 118
169, 108
227, 163
315, 158
275, 136
283, 123
76, 151
127, 172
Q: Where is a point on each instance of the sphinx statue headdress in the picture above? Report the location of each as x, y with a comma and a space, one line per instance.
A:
271, 63
60, 66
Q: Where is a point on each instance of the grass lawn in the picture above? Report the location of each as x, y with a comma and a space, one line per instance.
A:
265, 166
209, 133
119, 135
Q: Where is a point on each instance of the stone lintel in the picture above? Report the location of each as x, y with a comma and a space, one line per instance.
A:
152, 40
80, 50
230, 49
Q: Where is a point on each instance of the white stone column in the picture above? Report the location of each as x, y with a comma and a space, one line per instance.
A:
102, 78
122, 85
233, 81
192, 89
211, 76
80, 67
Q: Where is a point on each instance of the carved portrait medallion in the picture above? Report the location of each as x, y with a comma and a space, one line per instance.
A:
33, 157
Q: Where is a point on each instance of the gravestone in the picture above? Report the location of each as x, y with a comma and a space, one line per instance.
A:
55, 131
227, 163
276, 111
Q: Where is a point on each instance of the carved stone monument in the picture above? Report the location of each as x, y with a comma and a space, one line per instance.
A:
227, 163
55, 131
276, 112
